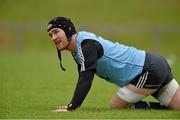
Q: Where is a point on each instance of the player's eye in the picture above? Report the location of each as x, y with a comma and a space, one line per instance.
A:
56, 31
50, 35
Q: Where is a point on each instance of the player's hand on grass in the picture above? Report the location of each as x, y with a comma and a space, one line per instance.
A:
61, 109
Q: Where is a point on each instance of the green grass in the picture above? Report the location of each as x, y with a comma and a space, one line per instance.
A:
32, 84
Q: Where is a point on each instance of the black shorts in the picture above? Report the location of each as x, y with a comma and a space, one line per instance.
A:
156, 73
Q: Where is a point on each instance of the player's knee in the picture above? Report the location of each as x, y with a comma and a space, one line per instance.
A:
117, 103
117, 106
112, 105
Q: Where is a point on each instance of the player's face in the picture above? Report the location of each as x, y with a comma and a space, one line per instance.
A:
59, 38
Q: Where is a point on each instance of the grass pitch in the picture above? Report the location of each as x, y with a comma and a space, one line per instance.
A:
32, 84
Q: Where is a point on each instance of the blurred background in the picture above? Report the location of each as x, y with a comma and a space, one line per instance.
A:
150, 25
31, 82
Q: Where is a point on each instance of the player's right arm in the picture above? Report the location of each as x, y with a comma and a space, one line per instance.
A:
86, 69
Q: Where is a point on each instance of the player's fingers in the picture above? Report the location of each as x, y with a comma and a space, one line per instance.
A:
61, 107
60, 110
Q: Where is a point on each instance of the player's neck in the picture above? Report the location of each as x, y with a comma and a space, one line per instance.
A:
72, 44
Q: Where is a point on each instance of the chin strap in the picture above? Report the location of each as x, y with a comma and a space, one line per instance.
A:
59, 56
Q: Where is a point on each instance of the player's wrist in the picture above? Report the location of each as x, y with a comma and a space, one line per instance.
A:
70, 107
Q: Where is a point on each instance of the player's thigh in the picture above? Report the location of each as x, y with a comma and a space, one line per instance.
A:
128, 95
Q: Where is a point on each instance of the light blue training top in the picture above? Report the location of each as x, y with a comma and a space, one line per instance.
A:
119, 64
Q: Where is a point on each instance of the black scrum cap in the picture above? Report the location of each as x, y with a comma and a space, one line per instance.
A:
63, 23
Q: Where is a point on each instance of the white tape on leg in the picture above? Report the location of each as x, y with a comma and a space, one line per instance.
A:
128, 95
168, 93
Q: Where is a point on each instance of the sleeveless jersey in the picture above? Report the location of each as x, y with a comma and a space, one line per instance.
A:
119, 64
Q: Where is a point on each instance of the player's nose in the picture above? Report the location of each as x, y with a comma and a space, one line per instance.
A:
54, 37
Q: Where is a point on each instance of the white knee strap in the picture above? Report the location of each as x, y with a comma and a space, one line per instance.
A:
168, 93
128, 95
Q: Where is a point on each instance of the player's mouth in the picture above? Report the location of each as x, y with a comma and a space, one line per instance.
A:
57, 42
